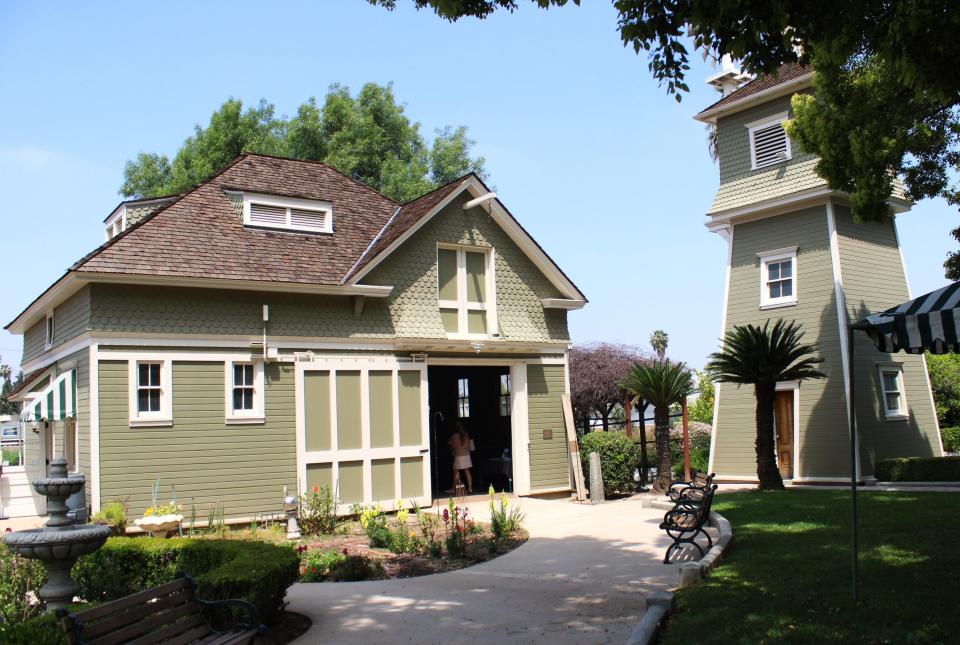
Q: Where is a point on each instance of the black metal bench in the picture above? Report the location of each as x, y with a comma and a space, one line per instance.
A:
686, 521
700, 481
170, 613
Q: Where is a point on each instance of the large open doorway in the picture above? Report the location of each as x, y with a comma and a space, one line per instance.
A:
480, 397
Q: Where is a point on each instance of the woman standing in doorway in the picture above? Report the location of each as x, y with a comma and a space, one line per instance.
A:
460, 445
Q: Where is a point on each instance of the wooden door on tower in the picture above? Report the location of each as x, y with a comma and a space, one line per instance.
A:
783, 423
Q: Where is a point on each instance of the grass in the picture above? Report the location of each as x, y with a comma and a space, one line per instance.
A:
787, 577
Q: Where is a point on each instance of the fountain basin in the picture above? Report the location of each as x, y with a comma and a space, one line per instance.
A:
57, 546
58, 486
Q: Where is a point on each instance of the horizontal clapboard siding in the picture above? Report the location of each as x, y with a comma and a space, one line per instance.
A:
243, 467
549, 461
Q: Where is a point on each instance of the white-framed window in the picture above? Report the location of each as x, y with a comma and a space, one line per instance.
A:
466, 291
287, 213
769, 143
892, 391
463, 398
49, 331
778, 278
151, 393
244, 394
116, 223
505, 395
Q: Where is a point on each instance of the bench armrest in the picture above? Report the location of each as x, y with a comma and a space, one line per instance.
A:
245, 618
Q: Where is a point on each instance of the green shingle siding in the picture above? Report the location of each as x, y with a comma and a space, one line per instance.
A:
242, 467
822, 410
412, 269
549, 461
739, 185
70, 319
873, 280
135, 213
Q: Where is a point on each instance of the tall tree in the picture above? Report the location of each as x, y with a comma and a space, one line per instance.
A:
595, 374
887, 99
368, 137
763, 357
662, 384
659, 340
6, 374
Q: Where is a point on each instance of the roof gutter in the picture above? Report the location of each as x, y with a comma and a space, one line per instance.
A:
72, 281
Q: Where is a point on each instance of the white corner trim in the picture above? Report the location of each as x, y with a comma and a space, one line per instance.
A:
93, 391
726, 231
933, 405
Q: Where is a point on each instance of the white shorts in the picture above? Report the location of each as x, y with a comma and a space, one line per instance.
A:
462, 463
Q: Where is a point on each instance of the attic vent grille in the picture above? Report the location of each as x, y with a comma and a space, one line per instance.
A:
769, 144
288, 214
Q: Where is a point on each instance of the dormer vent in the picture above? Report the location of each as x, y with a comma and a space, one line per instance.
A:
287, 213
769, 143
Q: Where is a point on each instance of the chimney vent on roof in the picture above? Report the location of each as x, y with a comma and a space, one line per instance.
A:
729, 78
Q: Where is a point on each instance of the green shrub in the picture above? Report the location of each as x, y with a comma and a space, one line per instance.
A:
919, 469
951, 438
699, 447
18, 576
112, 514
318, 566
318, 511
253, 571
40, 630
618, 459
12, 457
503, 520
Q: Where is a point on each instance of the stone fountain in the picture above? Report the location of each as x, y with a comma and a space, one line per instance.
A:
61, 542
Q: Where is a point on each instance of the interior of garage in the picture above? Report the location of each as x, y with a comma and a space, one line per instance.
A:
480, 397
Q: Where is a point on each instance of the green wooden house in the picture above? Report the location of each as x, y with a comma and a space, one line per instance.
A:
282, 326
794, 252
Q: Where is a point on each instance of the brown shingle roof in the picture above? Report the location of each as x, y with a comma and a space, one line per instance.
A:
786, 73
405, 217
200, 236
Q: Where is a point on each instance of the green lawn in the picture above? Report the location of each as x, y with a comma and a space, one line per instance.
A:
787, 578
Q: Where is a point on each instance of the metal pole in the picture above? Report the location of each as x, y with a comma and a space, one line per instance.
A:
853, 472
686, 442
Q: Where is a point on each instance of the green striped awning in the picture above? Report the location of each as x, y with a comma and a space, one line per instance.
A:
56, 402
930, 322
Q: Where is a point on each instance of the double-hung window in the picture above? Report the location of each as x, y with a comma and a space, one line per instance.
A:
778, 278
465, 289
244, 394
891, 386
150, 393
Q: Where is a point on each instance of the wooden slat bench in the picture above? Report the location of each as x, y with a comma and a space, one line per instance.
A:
687, 520
700, 481
170, 614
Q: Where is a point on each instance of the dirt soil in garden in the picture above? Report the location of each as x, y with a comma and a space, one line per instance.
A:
286, 629
352, 539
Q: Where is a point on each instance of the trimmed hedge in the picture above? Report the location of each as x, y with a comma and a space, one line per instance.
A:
257, 572
619, 455
918, 469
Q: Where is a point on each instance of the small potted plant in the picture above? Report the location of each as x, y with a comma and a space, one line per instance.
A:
161, 518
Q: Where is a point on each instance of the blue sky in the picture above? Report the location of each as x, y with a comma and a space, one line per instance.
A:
610, 174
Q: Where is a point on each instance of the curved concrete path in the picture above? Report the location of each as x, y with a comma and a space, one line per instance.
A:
581, 578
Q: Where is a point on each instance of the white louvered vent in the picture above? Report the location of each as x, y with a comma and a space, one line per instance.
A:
268, 215
769, 145
300, 218
290, 214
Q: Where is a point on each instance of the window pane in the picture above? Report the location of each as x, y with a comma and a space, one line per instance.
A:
504, 384
154, 400
463, 388
463, 408
786, 269
476, 322
773, 271
237, 398
143, 401
786, 288
774, 289
893, 402
890, 382
248, 375
450, 319
248, 399
238, 374
447, 274
476, 276
143, 374
154, 374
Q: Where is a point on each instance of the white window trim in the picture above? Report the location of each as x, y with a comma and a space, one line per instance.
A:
256, 415
461, 304
49, 330
904, 411
288, 203
164, 417
121, 217
777, 255
766, 122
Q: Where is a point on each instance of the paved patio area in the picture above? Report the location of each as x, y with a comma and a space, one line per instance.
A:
581, 578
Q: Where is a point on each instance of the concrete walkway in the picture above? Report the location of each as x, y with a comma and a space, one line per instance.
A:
581, 578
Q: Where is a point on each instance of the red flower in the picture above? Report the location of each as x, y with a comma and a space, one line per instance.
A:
345, 552
316, 489
446, 516
313, 569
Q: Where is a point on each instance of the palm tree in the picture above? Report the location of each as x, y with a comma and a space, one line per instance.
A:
660, 383
658, 341
763, 357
